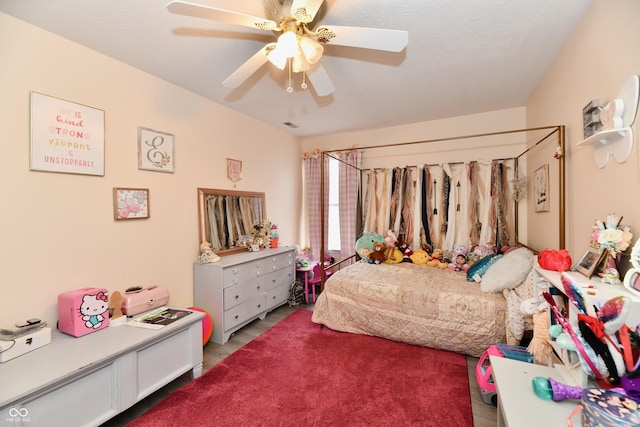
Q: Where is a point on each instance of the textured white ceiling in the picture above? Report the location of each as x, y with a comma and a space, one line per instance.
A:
463, 56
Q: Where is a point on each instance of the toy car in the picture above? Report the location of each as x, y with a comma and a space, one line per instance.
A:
483, 368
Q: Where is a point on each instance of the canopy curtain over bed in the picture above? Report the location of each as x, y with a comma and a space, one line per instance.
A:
442, 205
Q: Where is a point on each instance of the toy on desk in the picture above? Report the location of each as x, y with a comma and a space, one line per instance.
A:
550, 389
484, 371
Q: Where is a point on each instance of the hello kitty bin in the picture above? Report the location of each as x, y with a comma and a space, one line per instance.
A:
83, 311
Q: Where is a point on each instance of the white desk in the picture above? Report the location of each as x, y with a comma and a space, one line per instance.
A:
87, 380
518, 404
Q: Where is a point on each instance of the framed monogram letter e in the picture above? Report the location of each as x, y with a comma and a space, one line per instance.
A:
155, 150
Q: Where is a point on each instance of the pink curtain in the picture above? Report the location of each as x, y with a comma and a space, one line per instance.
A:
349, 177
313, 192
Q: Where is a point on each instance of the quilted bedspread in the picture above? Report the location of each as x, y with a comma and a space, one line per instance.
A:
414, 304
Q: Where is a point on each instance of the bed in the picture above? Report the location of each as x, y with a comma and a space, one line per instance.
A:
418, 304
413, 303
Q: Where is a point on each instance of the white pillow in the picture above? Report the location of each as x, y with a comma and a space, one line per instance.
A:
508, 272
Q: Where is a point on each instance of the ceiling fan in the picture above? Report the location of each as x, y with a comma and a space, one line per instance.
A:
298, 47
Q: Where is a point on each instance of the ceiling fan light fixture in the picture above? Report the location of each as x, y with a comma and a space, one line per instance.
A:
300, 63
311, 49
277, 58
288, 44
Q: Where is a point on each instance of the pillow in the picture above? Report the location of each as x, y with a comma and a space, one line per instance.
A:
508, 272
479, 268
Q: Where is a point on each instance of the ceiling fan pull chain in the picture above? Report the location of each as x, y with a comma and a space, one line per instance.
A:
304, 80
290, 88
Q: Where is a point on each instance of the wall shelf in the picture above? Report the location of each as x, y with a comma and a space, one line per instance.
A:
617, 142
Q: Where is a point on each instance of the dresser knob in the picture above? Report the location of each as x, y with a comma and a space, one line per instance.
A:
258, 287
259, 305
235, 271
237, 296
236, 316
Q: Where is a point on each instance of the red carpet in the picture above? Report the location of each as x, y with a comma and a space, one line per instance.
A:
299, 373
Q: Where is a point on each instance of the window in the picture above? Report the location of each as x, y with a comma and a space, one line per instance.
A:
334, 205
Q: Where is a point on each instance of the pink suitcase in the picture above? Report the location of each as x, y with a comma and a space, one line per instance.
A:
139, 300
83, 311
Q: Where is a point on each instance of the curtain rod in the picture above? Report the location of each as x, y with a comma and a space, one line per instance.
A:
437, 164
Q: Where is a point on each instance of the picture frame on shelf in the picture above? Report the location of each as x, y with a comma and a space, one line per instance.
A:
589, 261
155, 150
541, 188
130, 203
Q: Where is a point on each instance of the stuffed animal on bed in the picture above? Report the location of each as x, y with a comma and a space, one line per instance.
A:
366, 241
437, 259
377, 256
404, 248
459, 255
393, 256
420, 257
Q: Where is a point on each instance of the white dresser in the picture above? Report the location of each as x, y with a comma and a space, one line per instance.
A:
243, 287
86, 381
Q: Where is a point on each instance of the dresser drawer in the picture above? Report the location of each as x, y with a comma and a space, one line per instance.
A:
279, 277
278, 295
244, 311
279, 261
238, 294
241, 273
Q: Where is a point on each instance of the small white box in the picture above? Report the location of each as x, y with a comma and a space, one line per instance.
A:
24, 344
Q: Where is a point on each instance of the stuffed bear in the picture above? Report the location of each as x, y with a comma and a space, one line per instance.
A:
437, 259
404, 248
377, 256
420, 257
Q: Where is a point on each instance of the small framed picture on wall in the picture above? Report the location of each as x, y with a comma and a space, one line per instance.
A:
130, 203
234, 170
541, 188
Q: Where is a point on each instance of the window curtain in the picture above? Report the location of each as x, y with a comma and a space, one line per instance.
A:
349, 177
312, 170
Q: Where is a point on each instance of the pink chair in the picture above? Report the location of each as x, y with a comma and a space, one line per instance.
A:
317, 278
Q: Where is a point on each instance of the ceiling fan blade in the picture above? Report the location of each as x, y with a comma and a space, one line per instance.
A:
248, 68
206, 12
305, 10
320, 80
368, 38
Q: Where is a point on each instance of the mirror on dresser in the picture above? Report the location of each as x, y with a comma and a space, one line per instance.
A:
225, 216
